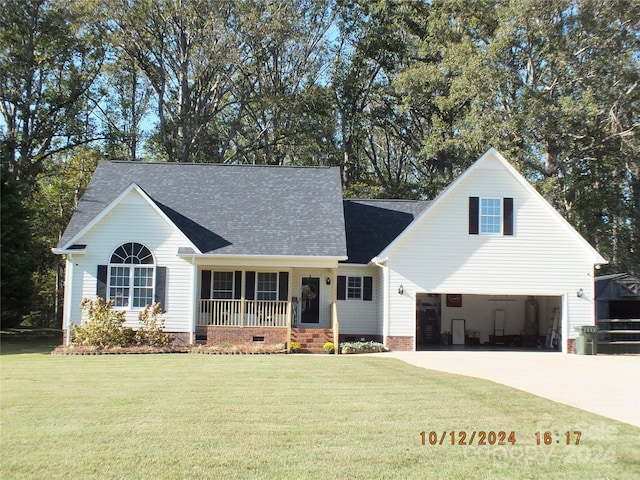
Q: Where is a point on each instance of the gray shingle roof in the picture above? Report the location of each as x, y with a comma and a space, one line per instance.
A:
231, 209
371, 225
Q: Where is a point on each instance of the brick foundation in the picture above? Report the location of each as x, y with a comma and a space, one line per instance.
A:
571, 345
400, 343
350, 337
181, 338
245, 335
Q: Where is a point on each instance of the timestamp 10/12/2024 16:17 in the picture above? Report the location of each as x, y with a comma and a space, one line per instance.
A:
491, 437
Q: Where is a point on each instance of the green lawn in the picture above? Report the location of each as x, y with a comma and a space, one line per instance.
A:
185, 416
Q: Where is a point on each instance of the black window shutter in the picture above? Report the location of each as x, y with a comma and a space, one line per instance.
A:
161, 287
101, 286
205, 285
474, 215
283, 286
367, 290
342, 287
508, 216
250, 286
237, 285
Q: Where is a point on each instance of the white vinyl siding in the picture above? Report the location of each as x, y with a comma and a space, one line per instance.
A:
359, 317
438, 255
134, 220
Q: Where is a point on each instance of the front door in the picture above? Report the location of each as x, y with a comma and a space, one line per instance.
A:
310, 304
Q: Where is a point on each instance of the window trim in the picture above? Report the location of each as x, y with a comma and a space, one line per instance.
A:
275, 293
348, 297
213, 285
132, 269
481, 215
366, 288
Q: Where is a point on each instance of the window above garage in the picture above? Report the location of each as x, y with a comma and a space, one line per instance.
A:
490, 216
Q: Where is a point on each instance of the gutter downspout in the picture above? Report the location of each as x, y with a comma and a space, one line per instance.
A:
194, 302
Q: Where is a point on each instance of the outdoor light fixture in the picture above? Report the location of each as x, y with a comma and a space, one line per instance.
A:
580, 293
328, 281
400, 289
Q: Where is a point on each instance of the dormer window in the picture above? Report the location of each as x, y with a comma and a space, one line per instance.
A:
490, 216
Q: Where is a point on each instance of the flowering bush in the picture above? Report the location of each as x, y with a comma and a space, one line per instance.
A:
362, 347
329, 347
151, 328
294, 347
103, 327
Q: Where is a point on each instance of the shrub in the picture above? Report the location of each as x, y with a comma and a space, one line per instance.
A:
150, 333
295, 347
104, 327
329, 347
362, 347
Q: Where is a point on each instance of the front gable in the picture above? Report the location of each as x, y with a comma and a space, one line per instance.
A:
531, 240
125, 210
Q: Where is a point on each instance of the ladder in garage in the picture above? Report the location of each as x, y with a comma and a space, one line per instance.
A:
553, 336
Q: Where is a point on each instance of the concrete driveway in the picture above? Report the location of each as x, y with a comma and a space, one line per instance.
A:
608, 385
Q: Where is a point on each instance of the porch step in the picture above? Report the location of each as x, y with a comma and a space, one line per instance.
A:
311, 340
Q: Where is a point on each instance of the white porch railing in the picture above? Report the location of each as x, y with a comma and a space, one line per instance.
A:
243, 313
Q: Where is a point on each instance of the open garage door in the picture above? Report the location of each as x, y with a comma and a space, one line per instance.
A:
531, 322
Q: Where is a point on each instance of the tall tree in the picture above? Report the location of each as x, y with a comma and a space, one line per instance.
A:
370, 51
187, 51
280, 86
125, 104
562, 81
49, 59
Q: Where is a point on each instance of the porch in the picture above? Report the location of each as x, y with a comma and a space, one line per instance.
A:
267, 322
244, 313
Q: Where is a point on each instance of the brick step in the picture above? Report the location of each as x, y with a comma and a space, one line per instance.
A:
312, 340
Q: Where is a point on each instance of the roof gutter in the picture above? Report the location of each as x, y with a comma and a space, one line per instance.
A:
262, 257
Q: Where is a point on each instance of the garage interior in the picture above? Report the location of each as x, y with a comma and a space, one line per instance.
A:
453, 321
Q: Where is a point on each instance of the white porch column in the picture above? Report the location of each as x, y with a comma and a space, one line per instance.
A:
196, 300
565, 323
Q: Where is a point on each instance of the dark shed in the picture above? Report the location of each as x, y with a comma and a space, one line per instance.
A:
618, 313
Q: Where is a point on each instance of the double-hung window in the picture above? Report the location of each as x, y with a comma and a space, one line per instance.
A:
490, 216
267, 286
131, 274
222, 287
354, 288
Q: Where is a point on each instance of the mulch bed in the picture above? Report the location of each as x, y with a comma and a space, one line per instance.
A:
80, 350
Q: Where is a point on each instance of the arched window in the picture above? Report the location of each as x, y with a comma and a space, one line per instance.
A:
131, 274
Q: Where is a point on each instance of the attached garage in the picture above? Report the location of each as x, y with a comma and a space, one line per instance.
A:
490, 321
488, 263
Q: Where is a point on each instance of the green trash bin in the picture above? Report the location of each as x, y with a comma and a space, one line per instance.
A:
587, 340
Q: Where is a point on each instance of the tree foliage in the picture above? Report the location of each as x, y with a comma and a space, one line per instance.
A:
403, 95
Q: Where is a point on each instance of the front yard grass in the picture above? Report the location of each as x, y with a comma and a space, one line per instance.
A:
283, 416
